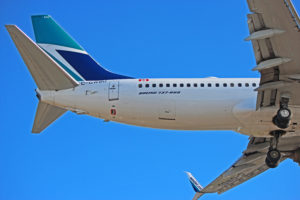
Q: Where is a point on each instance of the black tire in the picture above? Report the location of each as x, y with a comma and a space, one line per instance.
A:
273, 155
281, 123
271, 164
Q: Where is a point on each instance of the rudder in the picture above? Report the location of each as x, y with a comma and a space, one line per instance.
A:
67, 52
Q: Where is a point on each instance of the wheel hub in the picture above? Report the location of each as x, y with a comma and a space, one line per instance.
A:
274, 154
284, 113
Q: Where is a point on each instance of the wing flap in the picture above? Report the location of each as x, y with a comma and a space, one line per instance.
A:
47, 74
278, 15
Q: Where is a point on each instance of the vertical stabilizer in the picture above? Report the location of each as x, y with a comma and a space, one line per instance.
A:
58, 44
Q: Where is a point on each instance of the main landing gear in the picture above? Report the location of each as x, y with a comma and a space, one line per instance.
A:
282, 121
283, 117
274, 155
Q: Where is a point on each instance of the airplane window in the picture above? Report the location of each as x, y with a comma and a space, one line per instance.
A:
240, 85
224, 84
202, 84
188, 85
217, 84
161, 85
247, 84
254, 84
174, 85
209, 85
153, 85
181, 85
195, 85
140, 85
231, 84
147, 85
168, 85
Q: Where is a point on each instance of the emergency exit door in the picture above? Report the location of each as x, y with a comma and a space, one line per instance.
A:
113, 91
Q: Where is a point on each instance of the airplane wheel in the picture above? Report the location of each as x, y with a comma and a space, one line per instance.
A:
274, 155
271, 164
283, 124
284, 114
282, 119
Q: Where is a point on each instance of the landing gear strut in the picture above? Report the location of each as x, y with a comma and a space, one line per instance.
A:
273, 155
282, 121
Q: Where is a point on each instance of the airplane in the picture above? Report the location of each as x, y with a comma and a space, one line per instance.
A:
267, 109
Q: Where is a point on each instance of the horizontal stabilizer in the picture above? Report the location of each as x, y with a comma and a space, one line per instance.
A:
47, 74
45, 115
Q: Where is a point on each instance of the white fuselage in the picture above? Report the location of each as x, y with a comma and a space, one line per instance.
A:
177, 104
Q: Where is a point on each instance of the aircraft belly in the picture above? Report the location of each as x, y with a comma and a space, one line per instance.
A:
177, 114
259, 123
202, 114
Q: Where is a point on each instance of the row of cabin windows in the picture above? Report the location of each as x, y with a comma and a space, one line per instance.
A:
154, 85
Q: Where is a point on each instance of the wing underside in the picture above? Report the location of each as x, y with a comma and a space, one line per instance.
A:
248, 166
275, 35
251, 164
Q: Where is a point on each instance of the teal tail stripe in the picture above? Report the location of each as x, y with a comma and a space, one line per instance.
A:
77, 78
47, 31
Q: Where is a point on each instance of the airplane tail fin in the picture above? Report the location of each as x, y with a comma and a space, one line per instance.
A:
196, 186
67, 52
47, 74
45, 115
56, 62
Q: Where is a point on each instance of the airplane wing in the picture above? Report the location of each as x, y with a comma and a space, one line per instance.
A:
274, 27
249, 165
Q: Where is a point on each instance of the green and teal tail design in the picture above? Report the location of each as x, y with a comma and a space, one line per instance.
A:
67, 52
47, 31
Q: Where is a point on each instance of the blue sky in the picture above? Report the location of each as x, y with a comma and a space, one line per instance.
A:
81, 157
